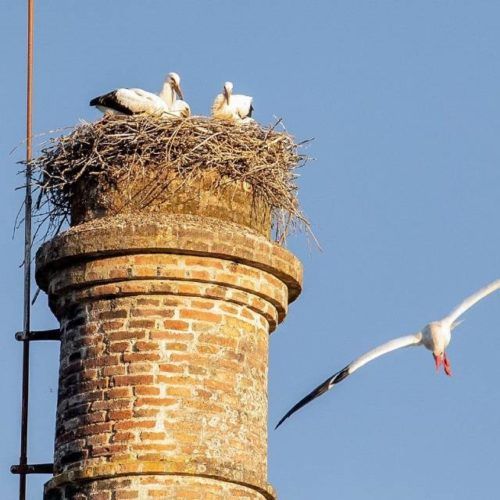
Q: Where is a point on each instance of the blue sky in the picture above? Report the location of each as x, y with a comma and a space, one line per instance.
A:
403, 101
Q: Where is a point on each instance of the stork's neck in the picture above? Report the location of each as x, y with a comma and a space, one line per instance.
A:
168, 93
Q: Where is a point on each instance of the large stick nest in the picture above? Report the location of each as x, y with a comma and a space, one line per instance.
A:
103, 153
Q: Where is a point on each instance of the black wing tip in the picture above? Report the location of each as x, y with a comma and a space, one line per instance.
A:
111, 101
318, 391
282, 420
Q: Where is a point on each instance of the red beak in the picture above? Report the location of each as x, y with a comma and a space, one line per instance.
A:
438, 360
442, 360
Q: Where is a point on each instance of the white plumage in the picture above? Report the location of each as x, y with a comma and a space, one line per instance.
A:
180, 109
135, 101
435, 336
169, 93
227, 106
130, 102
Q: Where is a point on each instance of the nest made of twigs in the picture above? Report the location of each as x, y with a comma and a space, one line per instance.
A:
103, 153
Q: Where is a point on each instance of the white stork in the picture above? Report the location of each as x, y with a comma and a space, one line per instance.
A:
236, 108
435, 336
169, 93
134, 101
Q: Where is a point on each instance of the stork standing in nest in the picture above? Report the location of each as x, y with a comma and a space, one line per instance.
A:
169, 93
236, 108
136, 101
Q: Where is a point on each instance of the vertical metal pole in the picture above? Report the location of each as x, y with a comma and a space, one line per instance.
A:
27, 255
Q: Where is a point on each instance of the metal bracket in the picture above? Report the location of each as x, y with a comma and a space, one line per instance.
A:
39, 335
32, 469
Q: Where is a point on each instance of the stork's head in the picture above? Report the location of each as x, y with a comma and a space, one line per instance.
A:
175, 81
228, 90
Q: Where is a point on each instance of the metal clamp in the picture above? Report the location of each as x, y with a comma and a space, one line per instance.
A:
39, 335
32, 469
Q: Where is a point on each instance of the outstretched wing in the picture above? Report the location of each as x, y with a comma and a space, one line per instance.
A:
470, 301
392, 345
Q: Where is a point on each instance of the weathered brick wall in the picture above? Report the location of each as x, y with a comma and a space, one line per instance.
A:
159, 487
164, 354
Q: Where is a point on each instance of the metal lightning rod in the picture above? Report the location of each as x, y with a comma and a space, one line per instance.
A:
27, 253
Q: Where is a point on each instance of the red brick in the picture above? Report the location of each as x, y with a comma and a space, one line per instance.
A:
120, 414
146, 346
114, 370
172, 335
120, 313
140, 368
174, 380
119, 392
120, 346
144, 313
203, 304
94, 417
172, 324
218, 340
134, 424
144, 401
145, 259
171, 368
208, 349
102, 496
133, 357
133, 380
200, 261
122, 436
177, 346
125, 335
87, 430
107, 451
125, 495
190, 289
154, 436
112, 325
141, 323
118, 273
155, 447
146, 301
200, 315
146, 412
199, 275
197, 370
179, 391
147, 390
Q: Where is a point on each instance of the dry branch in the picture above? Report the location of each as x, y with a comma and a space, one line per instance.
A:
103, 153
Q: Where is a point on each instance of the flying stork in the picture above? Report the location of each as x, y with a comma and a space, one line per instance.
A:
435, 336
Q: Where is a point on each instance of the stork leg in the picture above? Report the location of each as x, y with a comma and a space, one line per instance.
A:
447, 365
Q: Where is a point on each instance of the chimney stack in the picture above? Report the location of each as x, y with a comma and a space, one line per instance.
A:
165, 314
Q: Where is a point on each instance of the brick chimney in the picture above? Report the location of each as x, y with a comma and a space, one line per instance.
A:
165, 313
